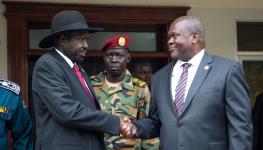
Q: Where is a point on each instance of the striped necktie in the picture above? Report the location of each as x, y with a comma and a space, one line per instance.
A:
84, 84
180, 89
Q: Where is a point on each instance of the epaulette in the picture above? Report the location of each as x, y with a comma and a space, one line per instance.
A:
138, 82
95, 79
92, 77
10, 86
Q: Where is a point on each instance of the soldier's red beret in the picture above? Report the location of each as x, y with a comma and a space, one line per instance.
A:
117, 41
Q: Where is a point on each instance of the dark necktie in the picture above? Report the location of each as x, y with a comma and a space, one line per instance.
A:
180, 89
81, 79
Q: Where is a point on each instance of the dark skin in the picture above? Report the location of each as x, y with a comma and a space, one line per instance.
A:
183, 43
145, 73
74, 47
116, 61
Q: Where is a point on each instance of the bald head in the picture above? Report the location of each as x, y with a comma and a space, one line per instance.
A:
191, 25
186, 38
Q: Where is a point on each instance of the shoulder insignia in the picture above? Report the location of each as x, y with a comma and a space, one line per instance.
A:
3, 110
95, 79
92, 77
10, 86
138, 82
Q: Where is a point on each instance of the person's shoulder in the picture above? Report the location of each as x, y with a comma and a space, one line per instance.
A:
138, 82
10, 94
45, 60
221, 59
97, 79
10, 86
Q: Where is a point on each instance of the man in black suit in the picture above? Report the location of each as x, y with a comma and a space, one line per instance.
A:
258, 123
68, 116
199, 101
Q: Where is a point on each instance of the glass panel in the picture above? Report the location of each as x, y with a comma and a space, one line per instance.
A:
140, 41
253, 74
35, 36
249, 36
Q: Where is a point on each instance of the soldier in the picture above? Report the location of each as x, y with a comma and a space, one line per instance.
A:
14, 118
143, 71
121, 94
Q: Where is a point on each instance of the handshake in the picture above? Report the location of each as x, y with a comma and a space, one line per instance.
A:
128, 129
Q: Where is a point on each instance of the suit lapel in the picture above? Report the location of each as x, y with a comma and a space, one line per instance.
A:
200, 76
167, 91
75, 77
68, 68
86, 78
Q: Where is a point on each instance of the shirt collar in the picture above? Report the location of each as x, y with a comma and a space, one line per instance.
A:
71, 64
195, 61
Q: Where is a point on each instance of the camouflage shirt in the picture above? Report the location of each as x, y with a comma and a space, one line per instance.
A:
129, 98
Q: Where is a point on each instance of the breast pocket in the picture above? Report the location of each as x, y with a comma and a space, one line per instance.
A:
210, 90
217, 145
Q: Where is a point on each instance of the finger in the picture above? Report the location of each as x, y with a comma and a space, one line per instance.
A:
127, 119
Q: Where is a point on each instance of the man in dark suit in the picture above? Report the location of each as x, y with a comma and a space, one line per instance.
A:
68, 116
258, 123
199, 101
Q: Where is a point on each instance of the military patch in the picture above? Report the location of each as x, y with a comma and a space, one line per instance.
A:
92, 77
122, 41
10, 86
97, 79
138, 82
3, 110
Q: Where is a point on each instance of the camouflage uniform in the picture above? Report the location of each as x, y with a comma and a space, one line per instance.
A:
130, 99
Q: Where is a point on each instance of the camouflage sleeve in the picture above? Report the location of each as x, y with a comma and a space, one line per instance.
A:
143, 102
152, 144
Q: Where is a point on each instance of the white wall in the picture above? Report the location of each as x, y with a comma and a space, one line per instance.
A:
220, 23
220, 27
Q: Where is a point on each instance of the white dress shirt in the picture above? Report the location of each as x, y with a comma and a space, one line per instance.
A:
178, 69
70, 63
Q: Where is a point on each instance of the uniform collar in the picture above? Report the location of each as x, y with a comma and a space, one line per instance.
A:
126, 83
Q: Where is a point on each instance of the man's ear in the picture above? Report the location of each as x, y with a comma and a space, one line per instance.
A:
128, 57
195, 37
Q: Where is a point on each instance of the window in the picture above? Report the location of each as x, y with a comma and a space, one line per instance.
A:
250, 53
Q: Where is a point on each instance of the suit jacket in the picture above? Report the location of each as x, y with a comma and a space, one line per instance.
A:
65, 118
216, 114
258, 123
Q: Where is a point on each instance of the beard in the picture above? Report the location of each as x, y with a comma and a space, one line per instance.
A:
79, 58
74, 57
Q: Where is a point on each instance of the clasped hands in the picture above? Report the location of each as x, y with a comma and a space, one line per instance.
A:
127, 128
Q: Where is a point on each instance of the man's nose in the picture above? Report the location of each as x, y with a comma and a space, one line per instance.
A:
170, 41
85, 45
114, 58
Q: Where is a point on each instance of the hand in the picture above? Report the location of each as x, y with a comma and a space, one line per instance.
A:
128, 130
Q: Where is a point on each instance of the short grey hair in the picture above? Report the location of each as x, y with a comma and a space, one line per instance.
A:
193, 24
